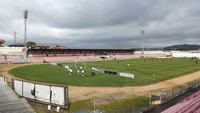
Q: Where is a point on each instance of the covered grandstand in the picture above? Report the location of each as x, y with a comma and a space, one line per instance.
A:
61, 55
25, 55
57, 52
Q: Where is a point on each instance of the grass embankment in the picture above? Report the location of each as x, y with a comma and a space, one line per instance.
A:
116, 106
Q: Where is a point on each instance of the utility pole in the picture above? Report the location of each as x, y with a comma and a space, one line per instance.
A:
15, 37
25, 26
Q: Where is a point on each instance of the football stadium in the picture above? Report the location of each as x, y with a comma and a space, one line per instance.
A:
70, 79
40, 77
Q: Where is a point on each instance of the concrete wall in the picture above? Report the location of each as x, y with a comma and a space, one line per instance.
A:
186, 54
47, 94
7, 50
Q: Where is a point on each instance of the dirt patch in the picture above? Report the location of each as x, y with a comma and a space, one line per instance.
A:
109, 93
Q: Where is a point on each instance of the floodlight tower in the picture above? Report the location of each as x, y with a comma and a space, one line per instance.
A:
142, 34
25, 26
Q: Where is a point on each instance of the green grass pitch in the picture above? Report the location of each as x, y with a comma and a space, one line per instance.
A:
146, 71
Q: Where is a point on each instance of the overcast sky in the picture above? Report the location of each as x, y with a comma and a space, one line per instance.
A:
103, 23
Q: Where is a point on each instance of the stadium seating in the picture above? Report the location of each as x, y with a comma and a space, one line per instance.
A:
197, 111
39, 58
190, 104
16, 59
193, 96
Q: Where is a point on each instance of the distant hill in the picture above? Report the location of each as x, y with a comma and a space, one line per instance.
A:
183, 47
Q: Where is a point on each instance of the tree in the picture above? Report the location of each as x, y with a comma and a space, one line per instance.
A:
31, 44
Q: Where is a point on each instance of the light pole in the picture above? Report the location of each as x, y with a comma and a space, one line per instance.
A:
142, 33
25, 26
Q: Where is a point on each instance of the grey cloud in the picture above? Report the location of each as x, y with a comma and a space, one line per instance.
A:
103, 23
96, 13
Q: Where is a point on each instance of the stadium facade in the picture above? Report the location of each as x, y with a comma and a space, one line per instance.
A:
44, 53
